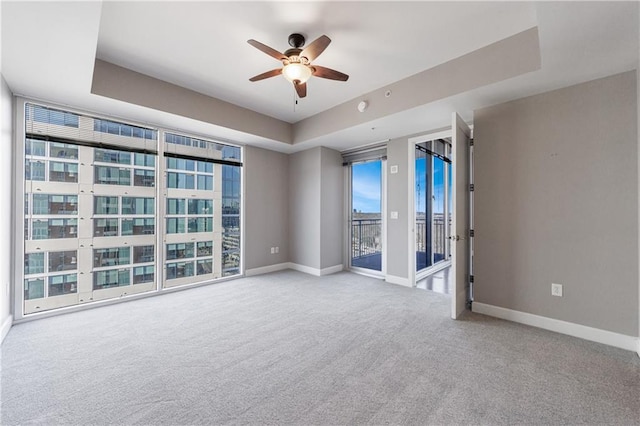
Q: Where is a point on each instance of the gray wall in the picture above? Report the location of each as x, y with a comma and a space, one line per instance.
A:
332, 205
266, 207
398, 200
316, 208
556, 200
304, 207
6, 201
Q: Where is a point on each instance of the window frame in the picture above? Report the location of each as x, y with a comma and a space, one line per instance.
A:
20, 217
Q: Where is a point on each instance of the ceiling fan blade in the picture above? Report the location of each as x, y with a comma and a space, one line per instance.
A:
266, 49
267, 74
314, 50
324, 72
301, 88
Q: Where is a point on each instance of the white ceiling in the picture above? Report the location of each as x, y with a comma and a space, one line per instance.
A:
48, 51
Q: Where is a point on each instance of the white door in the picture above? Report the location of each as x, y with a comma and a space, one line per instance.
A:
460, 217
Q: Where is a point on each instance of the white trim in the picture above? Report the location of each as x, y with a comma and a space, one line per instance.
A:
610, 338
331, 270
315, 271
437, 267
392, 279
431, 136
266, 269
6, 326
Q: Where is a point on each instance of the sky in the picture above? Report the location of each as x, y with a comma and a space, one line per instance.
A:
366, 186
438, 187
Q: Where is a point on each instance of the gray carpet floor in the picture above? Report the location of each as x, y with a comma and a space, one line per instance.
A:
289, 348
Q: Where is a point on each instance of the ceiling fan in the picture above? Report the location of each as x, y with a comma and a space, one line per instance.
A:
296, 62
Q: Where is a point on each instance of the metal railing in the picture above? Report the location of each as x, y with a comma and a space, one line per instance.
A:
366, 237
439, 234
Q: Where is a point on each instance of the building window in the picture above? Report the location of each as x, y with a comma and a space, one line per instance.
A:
90, 215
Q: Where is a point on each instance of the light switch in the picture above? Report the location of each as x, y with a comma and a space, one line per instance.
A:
394, 169
394, 215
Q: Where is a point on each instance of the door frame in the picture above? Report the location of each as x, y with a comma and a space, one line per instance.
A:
348, 203
415, 276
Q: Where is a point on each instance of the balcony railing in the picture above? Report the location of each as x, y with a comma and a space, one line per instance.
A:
439, 235
366, 242
366, 237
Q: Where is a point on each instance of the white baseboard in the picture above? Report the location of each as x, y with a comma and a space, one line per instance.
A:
266, 269
315, 271
398, 280
306, 269
610, 338
296, 267
331, 270
6, 326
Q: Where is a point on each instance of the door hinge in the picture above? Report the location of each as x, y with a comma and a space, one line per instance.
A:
471, 142
471, 187
470, 278
471, 233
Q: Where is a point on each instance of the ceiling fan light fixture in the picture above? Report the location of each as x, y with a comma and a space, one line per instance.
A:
296, 71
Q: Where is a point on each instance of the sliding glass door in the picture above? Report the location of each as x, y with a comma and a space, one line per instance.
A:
365, 224
432, 203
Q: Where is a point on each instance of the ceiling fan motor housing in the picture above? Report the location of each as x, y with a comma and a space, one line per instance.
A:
296, 40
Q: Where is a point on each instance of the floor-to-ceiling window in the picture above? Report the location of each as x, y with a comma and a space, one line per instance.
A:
110, 212
432, 202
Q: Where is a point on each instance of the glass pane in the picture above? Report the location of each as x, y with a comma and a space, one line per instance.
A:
63, 284
179, 251
438, 223
180, 180
33, 263
138, 206
143, 274
63, 150
200, 207
105, 227
112, 175
179, 270
111, 278
138, 226
423, 207
205, 266
144, 178
35, 147
148, 160
143, 254
205, 248
112, 156
205, 183
63, 261
63, 172
230, 241
175, 206
176, 225
200, 224
33, 288
111, 256
105, 205
205, 167
366, 219
34, 170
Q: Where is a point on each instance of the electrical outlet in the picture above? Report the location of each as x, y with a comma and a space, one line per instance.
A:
556, 289
277, 250
273, 250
